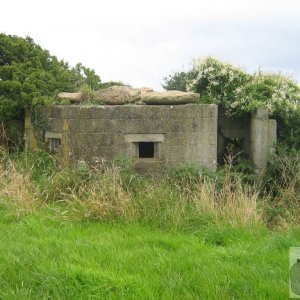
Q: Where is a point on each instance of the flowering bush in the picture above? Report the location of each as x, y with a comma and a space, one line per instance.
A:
275, 91
217, 82
239, 92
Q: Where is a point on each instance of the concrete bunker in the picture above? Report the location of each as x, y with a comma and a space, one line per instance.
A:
154, 137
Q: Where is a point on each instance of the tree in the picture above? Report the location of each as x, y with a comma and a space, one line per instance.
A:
29, 75
176, 81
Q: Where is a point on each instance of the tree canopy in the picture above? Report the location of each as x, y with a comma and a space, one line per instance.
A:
29, 75
239, 92
176, 81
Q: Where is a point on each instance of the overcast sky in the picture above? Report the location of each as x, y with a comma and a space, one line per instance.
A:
140, 42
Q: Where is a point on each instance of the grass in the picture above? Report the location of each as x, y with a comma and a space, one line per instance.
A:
109, 233
108, 193
43, 258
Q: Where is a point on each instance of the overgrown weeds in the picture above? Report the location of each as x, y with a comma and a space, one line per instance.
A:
181, 199
17, 190
232, 203
280, 184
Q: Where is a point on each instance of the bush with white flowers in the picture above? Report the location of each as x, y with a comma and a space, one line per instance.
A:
239, 92
217, 82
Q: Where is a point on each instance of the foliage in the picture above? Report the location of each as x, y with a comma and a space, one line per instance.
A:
280, 185
107, 84
87, 93
239, 92
282, 171
183, 198
29, 75
87, 77
176, 81
217, 82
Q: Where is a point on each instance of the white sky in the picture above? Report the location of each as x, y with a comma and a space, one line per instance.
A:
140, 42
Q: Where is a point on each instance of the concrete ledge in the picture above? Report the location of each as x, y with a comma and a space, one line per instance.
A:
130, 138
53, 135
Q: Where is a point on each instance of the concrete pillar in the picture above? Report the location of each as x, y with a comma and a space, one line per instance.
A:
259, 137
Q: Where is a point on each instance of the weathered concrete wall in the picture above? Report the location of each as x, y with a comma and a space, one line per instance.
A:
181, 133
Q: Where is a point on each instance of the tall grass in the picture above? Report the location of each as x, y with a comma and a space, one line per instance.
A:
238, 205
16, 189
181, 199
280, 184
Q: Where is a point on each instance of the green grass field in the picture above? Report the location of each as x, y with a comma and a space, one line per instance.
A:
42, 257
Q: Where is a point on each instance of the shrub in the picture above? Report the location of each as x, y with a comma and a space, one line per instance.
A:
239, 92
217, 82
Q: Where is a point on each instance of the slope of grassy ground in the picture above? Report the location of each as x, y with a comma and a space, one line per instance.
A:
42, 257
